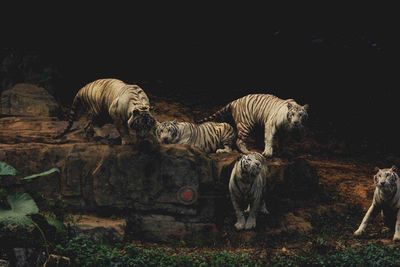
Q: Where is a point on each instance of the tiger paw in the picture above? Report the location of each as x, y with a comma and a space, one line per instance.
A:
359, 232
221, 150
250, 223
264, 211
267, 152
239, 226
396, 237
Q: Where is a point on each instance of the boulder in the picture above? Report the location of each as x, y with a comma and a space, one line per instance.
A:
144, 183
28, 100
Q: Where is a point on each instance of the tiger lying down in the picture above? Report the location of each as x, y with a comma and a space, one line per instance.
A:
386, 199
209, 137
267, 110
247, 187
111, 100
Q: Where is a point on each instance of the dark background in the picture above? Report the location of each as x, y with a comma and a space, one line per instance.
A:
346, 71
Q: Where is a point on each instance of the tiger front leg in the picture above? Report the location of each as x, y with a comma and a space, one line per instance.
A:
251, 220
226, 149
242, 136
264, 209
239, 225
396, 236
369, 216
269, 132
123, 131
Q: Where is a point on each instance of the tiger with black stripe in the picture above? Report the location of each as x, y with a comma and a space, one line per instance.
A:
209, 137
112, 100
267, 110
247, 186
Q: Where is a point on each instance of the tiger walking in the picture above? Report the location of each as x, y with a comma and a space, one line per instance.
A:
267, 110
112, 100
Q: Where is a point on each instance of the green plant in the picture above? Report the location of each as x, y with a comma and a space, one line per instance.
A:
6, 169
22, 206
85, 252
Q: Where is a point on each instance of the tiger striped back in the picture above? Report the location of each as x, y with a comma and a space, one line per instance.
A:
115, 99
265, 109
209, 137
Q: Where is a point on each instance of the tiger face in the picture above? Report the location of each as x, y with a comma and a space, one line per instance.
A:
141, 121
296, 115
386, 180
250, 165
167, 132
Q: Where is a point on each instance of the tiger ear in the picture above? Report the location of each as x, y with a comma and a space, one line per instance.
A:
394, 168
174, 121
289, 105
375, 179
376, 169
306, 107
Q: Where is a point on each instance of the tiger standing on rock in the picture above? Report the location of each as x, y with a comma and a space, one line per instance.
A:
247, 187
209, 137
386, 199
267, 110
112, 100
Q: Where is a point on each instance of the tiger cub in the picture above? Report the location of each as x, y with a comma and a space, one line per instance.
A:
247, 187
267, 110
386, 199
112, 100
209, 137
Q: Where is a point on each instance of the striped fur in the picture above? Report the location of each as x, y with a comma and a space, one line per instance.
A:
111, 100
386, 199
266, 110
247, 188
209, 137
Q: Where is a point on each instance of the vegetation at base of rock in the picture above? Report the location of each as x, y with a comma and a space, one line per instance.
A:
85, 252
33, 176
369, 255
22, 205
6, 169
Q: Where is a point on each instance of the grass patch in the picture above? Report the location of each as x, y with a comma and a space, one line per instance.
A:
85, 252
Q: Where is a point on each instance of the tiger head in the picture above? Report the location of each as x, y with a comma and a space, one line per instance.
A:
296, 114
141, 120
250, 165
167, 132
386, 180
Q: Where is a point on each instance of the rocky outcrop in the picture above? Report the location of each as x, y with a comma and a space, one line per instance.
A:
28, 100
164, 192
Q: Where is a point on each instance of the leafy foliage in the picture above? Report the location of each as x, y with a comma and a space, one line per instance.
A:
85, 252
22, 205
30, 177
369, 255
60, 227
6, 169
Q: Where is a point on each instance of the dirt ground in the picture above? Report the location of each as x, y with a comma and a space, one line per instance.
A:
323, 221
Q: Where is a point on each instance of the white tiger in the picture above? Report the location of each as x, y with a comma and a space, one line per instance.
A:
112, 100
247, 187
209, 137
267, 110
386, 199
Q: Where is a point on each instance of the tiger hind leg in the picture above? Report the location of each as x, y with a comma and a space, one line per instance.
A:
88, 129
